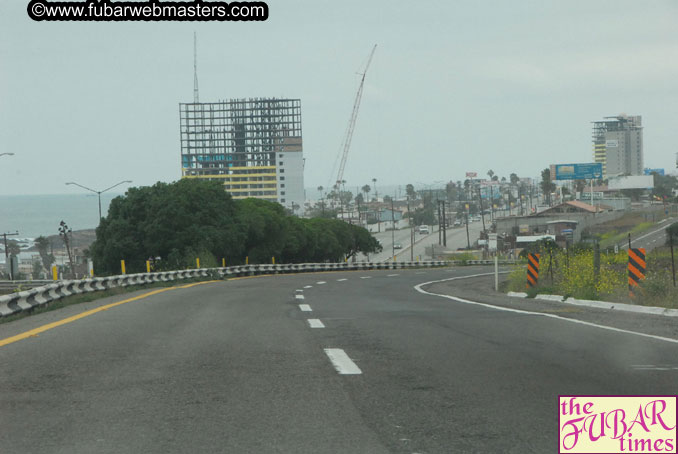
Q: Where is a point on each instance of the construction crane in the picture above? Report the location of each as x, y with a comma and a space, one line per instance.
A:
351, 125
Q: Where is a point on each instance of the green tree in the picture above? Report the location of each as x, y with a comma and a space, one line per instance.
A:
42, 244
547, 186
168, 221
664, 185
411, 193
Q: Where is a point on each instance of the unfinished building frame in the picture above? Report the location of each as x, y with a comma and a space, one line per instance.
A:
251, 145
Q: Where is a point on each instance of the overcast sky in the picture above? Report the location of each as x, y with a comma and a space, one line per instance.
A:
453, 87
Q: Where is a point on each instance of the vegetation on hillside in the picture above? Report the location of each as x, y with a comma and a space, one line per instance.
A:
578, 273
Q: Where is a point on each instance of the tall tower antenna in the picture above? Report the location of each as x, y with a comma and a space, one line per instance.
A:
196, 96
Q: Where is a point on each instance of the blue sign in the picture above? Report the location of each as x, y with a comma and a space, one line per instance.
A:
651, 171
579, 171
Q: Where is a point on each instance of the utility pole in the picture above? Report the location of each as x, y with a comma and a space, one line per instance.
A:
7, 259
491, 204
468, 238
392, 230
480, 200
409, 215
440, 224
444, 225
64, 231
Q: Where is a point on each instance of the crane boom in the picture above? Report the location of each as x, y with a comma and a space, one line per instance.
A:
351, 122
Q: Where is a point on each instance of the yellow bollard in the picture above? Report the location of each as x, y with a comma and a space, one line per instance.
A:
122, 266
197, 262
394, 258
273, 260
223, 263
55, 273
247, 260
148, 266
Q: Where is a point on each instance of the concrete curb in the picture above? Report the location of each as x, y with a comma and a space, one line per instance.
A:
602, 304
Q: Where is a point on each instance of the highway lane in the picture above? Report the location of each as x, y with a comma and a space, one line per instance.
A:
456, 238
238, 367
656, 237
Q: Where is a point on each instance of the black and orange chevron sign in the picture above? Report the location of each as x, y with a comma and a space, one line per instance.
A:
636, 269
532, 270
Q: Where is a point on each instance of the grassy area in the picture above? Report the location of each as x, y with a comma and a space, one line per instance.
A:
573, 275
86, 297
612, 237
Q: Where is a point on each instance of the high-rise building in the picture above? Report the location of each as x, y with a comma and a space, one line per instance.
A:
253, 146
618, 145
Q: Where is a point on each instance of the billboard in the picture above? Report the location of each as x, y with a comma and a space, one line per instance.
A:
585, 171
631, 182
471, 174
647, 171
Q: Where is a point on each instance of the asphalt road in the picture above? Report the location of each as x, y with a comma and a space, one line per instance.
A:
656, 237
456, 238
238, 366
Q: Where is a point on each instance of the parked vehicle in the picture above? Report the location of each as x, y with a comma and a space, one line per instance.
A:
423, 229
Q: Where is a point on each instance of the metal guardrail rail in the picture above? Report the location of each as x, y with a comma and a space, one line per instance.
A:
10, 285
39, 296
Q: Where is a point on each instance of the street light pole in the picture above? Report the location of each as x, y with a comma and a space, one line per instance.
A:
98, 193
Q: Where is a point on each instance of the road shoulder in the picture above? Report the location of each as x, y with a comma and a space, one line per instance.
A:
481, 289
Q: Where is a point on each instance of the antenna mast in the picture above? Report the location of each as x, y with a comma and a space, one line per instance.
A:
196, 97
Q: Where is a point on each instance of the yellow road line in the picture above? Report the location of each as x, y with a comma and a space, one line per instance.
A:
41, 329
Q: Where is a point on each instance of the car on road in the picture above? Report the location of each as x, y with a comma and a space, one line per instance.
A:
397, 246
457, 223
423, 229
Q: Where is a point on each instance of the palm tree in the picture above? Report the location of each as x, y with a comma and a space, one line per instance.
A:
366, 189
376, 194
322, 199
490, 173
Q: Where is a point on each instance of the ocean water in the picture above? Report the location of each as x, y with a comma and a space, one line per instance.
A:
35, 215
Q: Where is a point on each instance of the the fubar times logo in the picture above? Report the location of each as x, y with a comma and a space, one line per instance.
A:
617, 424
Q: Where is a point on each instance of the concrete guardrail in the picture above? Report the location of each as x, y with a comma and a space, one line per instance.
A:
29, 299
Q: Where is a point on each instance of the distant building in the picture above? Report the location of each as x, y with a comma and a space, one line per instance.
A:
618, 145
253, 146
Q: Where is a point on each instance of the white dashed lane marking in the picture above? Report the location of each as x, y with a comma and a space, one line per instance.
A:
321, 282
305, 308
308, 286
391, 275
315, 323
298, 290
299, 297
342, 280
341, 362
653, 367
366, 277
